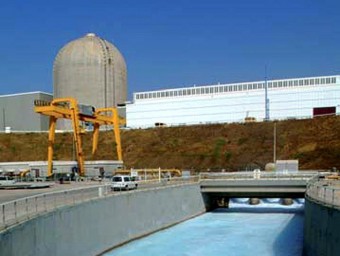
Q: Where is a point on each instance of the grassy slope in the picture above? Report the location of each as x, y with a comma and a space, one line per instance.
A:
315, 142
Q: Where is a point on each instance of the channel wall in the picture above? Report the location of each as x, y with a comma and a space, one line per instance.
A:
98, 225
321, 229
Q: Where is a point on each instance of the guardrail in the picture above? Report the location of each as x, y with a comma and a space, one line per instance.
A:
19, 210
325, 191
300, 175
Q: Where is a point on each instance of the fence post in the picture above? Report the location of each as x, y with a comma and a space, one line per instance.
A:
3, 214
45, 203
26, 202
15, 210
36, 204
100, 191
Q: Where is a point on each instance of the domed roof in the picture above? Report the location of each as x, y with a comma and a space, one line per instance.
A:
89, 48
92, 70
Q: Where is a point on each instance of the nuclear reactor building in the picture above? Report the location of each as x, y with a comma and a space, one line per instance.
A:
92, 70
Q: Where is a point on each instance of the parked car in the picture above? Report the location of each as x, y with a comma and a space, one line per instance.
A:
123, 182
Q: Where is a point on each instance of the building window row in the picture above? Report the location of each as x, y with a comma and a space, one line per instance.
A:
235, 87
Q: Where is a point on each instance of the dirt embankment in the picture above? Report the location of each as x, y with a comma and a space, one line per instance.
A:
315, 142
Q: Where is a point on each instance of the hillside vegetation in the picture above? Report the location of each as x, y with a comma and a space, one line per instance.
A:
314, 142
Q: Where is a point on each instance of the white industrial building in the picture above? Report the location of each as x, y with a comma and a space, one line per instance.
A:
225, 103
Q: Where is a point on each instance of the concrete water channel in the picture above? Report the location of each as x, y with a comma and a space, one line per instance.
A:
95, 220
268, 228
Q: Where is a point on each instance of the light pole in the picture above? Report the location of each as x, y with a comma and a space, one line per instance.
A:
4, 118
266, 96
274, 144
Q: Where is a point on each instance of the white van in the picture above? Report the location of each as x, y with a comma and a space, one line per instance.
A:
123, 182
5, 181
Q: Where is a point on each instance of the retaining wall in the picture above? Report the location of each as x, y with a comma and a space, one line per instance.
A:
322, 229
98, 225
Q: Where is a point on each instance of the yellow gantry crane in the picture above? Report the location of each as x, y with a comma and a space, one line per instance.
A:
68, 108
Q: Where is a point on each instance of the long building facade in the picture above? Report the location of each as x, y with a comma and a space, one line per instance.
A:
236, 102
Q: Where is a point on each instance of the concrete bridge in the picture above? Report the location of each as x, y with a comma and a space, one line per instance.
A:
256, 184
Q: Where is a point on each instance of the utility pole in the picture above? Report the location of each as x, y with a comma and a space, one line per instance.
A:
274, 144
4, 118
266, 95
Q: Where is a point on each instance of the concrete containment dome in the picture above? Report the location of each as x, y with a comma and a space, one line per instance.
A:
92, 70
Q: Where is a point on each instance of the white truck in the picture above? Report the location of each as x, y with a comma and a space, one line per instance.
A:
123, 182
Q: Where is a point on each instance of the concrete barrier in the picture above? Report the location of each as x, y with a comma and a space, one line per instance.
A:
321, 229
98, 225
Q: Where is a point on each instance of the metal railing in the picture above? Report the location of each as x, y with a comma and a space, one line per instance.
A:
22, 209
12, 212
169, 181
19, 210
325, 191
300, 175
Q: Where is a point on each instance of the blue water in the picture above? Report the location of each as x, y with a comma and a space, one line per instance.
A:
265, 229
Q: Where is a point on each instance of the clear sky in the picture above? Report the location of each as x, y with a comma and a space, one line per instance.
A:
173, 43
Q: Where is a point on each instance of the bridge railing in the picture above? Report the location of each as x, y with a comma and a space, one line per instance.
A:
300, 175
167, 181
324, 190
19, 210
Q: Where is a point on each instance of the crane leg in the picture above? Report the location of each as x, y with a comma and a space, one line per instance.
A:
95, 138
51, 137
117, 134
77, 137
